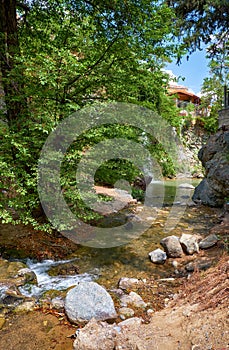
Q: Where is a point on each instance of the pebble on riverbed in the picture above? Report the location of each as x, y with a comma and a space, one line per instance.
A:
25, 307
158, 256
125, 312
128, 283
132, 299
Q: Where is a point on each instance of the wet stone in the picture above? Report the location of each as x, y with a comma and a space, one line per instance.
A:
187, 186
10, 270
192, 266
64, 269
28, 275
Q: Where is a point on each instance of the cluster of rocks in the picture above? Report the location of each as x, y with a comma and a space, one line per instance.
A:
97, 335
90, 302
175, 247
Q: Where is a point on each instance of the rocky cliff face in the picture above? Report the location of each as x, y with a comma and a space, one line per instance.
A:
214, 188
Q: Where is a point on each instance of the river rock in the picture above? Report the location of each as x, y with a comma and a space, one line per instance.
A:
158, 256
69, 268
95, 336
25, 307
15, 273
89, 300
198, 265
187, 186
208, 241
172, 246
125, 312
28, 275
189, 244
9, 270
141, 183
57, 303
128, 283
214, 188
133, 299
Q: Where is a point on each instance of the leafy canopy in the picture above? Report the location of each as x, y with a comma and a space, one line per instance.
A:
69, 54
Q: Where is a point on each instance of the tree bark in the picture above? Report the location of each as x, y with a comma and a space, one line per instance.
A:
9, 50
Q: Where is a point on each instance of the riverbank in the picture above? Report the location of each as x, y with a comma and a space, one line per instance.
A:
180, 319
196, 318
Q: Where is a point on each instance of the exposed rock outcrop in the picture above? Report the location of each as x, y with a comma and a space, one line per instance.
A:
214, 188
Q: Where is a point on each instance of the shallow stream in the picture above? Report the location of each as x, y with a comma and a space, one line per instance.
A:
130, 260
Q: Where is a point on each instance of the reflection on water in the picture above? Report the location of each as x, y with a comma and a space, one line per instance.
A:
164, 193
132, 260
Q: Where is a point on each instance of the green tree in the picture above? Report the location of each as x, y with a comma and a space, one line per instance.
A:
65, 55
198, 21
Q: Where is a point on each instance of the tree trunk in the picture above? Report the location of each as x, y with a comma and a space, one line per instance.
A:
9, 50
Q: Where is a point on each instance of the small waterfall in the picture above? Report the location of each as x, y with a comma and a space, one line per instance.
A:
46, 282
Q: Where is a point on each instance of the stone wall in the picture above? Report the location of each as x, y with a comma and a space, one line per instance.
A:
223, 117
214, 188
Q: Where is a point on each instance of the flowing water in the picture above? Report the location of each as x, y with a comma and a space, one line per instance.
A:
130, 260
46, 282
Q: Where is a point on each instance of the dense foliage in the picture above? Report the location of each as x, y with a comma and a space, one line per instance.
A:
59, 56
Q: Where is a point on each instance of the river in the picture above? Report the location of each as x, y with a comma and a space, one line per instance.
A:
108, 265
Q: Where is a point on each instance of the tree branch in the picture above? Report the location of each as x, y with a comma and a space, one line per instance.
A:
90, 68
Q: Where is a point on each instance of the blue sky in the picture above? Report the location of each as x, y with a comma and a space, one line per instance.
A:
194, 70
